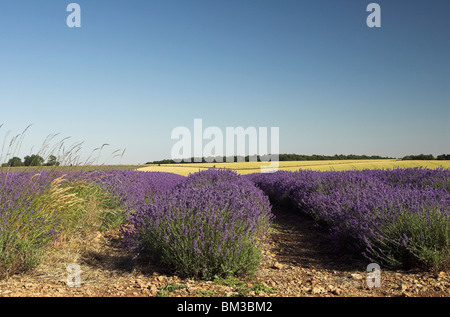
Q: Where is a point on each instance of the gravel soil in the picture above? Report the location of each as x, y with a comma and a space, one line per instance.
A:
297, 263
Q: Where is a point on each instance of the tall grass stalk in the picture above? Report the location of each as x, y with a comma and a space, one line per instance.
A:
41, 206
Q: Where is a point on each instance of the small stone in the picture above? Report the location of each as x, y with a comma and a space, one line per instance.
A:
356, 276
441, 274
318, 290
277, 266
337, 291
153, 288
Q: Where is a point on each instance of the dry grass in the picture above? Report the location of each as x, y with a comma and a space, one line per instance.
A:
76, 241
59, 197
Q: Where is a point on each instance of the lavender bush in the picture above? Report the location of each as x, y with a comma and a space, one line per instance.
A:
398, 217
134, 188
128, 191
27, 223
212, 223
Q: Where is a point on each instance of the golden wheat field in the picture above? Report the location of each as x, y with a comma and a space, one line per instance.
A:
255, 167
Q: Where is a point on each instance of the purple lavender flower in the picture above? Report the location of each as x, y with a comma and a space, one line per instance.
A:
217, 220
371, 211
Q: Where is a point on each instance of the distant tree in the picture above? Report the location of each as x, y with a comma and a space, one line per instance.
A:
443, 157
420, 157
52, 161
33, 160
427, 157
15, 162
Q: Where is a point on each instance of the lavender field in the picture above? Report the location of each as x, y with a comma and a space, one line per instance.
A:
400, 217
215, 222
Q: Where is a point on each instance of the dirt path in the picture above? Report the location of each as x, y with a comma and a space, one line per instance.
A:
297, 263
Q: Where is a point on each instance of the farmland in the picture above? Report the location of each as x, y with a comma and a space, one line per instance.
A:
254, 167
221, 232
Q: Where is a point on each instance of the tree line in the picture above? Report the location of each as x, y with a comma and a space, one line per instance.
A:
427, 157
300, 157
281, 157
31, 160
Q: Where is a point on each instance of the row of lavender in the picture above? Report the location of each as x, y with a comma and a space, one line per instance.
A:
203, 225
399, 217
210, 223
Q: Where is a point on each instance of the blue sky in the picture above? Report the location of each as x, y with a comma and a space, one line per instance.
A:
136, 70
